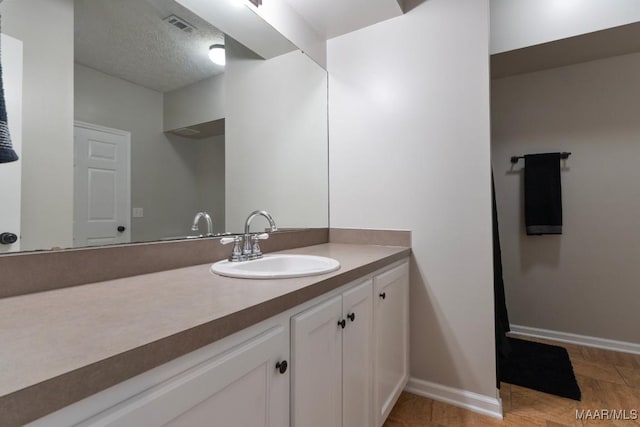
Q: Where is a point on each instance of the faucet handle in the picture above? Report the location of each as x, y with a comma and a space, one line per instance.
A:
236, 254
227, 240
255, 250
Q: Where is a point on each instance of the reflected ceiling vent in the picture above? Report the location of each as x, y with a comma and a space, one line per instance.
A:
185, 132
179, 23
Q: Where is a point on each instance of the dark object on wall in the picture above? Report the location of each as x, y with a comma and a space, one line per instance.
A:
541, 367
564, 155
8, 238
7, 154
542, 194
501, 317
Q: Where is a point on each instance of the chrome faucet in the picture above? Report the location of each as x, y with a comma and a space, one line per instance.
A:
253, 251
207, 217
252, 215
246, 247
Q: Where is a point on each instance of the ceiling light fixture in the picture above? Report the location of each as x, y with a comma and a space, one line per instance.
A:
217, 54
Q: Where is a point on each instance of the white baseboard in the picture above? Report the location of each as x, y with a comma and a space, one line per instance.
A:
585, 340
491, 406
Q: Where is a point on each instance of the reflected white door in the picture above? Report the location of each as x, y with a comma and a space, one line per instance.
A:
11, 173
101, 186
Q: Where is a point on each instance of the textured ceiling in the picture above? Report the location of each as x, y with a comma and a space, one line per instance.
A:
128, 39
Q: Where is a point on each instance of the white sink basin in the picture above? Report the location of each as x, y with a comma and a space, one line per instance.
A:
277, 266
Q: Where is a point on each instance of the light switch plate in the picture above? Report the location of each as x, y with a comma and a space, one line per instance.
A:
138, 212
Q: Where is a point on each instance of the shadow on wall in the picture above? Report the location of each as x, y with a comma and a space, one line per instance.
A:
408, 5
534, 251
432, 339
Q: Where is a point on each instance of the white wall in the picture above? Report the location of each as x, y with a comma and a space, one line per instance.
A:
586, 280
276, 139
46, 29
520, 23
409, 149
164, 179
288, 22
210, 172
197, 103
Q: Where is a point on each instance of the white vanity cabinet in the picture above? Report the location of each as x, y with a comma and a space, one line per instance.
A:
239, 388
350, 354
391, 338
346, 355
316, 363
331, 361
242, 381
357, 358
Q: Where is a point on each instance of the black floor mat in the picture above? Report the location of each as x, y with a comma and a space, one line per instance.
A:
541, 367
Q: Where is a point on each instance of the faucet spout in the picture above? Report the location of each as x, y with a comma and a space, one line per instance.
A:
248, 251
207, 218
254, 214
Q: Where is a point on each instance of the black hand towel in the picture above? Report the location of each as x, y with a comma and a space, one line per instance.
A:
542, 194
6, 149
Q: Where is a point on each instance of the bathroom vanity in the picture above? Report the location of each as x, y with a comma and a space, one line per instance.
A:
185, 347
144, 334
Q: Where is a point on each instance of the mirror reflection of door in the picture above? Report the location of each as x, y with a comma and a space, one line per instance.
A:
101, 186
10, 173
204, 137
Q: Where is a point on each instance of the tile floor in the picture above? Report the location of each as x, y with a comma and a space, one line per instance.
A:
607, 379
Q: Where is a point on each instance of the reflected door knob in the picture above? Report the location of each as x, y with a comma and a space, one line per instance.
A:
8, 238
121, 228
282, 366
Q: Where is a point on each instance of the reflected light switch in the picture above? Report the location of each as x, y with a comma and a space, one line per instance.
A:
138, 212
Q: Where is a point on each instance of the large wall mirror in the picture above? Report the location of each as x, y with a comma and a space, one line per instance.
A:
127, 128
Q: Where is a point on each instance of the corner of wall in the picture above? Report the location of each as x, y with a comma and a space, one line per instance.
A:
479, 403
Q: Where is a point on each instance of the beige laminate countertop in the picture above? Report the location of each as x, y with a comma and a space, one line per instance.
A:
60, 346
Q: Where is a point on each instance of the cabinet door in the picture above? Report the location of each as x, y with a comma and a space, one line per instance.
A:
238, 388
391, 348
357, 366
316, 356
